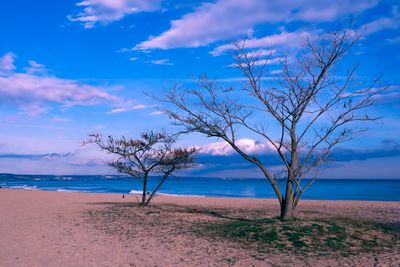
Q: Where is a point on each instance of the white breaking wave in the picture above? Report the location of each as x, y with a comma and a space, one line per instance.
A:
135, 192
26, 187
68, 190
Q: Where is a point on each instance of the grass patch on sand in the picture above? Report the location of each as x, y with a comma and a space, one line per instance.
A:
313, 236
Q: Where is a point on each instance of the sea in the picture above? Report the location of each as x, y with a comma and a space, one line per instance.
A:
322, 189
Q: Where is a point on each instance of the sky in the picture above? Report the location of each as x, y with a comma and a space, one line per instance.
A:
73, 67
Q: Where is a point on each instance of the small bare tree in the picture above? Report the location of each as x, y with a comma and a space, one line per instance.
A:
303, 114
152, 154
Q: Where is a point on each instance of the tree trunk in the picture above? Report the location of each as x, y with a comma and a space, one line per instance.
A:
287, 204
158, 187
143, 203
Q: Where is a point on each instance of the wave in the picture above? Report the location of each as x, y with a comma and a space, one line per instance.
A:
135, 192
69, 190
22, 177
64, 178
25, 187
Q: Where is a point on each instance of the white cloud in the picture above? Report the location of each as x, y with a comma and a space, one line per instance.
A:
395, 40
128, 107
227, 19
82, 160
383, 23
133, 58
117, 110
35, 68
124, 50
164, 61
265, 61
283, 39
274, 72
260, 53
141, 106
224, 149
7, 63
59, 119
31, 92
156, 113
106, 11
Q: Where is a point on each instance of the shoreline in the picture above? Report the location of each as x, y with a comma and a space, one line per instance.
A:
183, 196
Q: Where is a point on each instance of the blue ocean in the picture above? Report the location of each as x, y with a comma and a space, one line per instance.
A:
329, 189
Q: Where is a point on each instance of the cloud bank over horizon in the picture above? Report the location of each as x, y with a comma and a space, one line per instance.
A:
213, 160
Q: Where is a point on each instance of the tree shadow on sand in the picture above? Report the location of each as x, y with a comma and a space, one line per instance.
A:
250, 229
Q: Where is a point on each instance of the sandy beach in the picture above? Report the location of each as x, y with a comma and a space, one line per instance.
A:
41, 228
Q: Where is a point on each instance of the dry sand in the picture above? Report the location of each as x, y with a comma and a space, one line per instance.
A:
39, 228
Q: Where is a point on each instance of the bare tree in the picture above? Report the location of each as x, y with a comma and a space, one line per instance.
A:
152, 154
304, 114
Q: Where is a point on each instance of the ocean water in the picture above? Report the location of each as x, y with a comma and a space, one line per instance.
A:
329, 189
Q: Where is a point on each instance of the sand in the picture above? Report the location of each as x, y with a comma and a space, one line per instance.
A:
40, 228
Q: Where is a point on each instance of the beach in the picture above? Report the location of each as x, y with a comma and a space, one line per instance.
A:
44, 228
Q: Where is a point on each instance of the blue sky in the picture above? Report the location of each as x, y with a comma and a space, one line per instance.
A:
69, 68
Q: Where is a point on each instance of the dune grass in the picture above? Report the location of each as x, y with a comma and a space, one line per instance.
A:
311, 236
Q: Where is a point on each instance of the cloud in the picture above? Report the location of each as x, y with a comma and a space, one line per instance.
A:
141, 106
164, 61
387, 148
82, 160
383, 23
7, 63
117, 110
31, 92
59, 119
227, 19
129, 108
275, 72
283, 39
266, 61
391, 96
156, 113
35, 68
47, 156
259, 53
217, 159
395, 40
223, 149
106, 11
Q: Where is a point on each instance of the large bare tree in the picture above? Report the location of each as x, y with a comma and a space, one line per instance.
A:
303, 114
152, 154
